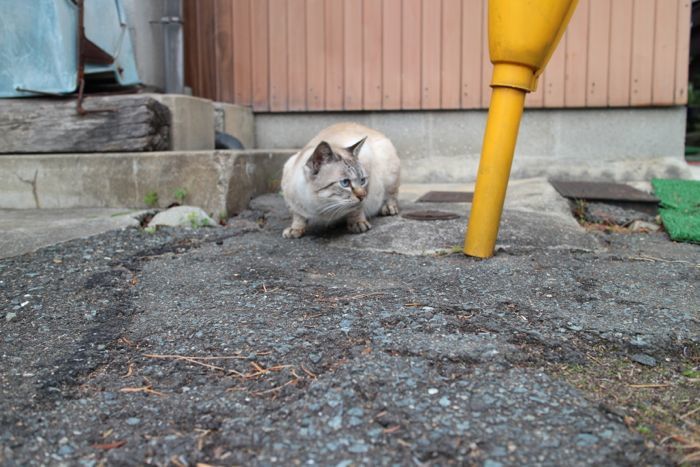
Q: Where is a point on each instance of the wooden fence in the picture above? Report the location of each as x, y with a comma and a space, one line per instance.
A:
333, 55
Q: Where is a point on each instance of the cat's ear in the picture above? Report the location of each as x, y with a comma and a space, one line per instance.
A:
355, 148
322, 154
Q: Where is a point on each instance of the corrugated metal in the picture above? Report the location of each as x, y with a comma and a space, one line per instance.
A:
330, 55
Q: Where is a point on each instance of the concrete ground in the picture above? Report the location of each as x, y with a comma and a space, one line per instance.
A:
25, 230
234, 346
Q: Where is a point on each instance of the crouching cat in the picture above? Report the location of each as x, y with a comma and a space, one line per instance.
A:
346, 172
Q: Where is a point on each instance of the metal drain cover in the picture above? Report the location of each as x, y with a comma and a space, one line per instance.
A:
446, 197
602, 191
430, 215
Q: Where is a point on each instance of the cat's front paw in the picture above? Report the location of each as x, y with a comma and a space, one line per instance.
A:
361, 226
291, 232
390, 208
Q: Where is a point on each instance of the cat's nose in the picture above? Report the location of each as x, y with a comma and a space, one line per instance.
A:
361, 193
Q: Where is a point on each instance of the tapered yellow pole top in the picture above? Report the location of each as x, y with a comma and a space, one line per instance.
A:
523, 35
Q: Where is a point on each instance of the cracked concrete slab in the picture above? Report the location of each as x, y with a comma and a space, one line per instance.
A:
24, 231
220, 182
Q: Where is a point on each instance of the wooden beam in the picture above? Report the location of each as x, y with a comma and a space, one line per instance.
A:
122, 124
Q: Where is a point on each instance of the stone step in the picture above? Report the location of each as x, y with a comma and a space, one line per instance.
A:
220, 182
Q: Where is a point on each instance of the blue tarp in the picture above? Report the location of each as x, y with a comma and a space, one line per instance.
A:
39, 45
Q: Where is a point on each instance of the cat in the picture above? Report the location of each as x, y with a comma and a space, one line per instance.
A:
347, 171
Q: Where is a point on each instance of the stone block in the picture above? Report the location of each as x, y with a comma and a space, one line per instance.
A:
236, 120
192, 124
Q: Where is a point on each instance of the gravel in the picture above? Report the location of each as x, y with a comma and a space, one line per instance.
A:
337, 353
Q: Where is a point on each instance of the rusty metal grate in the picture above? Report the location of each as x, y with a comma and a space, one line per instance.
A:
602, 191
446, 197
430, 215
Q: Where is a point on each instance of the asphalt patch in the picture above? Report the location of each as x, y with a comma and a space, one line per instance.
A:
236, 346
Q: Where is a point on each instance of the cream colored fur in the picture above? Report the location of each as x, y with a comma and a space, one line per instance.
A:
311, 196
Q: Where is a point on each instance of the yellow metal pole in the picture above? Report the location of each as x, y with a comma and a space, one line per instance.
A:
494, 170
522, 37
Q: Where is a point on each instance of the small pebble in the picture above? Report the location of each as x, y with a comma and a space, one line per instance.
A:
585, 440
644, 359
65, 450
358, 448
314, 357
133, 421
10, 316
335, 422
432, 391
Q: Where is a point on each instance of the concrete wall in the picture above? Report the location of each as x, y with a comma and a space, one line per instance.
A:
147, 36
444, 146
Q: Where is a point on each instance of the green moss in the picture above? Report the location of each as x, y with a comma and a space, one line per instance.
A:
151, 199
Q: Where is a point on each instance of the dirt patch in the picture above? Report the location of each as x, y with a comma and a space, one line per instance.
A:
660, 402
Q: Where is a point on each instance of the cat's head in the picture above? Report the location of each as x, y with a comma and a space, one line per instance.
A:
337, 177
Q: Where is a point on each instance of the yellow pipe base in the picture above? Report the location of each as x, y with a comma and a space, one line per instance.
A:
500, 137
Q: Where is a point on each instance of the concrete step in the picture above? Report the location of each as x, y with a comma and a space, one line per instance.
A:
194, 121
220, 182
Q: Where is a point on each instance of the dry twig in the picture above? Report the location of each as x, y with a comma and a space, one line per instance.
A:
108, 446
146, 389
195, 361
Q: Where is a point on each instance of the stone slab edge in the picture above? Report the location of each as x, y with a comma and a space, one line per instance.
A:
220, 182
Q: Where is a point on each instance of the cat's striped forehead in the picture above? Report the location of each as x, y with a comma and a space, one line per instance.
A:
353, 168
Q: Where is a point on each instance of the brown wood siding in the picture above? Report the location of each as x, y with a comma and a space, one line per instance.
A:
334, 55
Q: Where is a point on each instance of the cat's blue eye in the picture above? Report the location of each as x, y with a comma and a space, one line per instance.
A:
363, 180
345, 182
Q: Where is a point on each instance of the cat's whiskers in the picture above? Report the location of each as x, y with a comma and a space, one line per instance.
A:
337, 208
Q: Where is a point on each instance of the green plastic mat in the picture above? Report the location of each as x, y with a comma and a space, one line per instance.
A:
679, 208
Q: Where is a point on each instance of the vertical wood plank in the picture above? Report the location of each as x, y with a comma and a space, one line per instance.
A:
642, 47
472, 17
411, 54
352, 45
315, 54
260, 55
391, 54
620, 60
296, 54
189, 12
334, 54
598, 53
242, 60
206, 45
555, 77
535, 100
664, 64
278, 55
372, 54
682, 52
577, 57
225, 49
199, 64
486, 65
451, 79
430, 47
